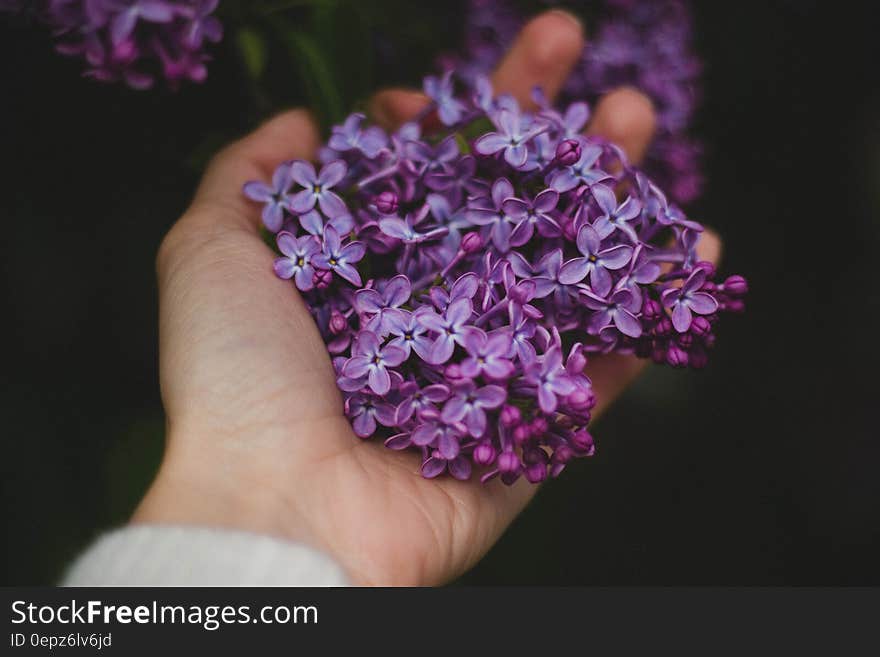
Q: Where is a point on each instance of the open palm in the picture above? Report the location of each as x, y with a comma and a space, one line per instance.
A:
257, 438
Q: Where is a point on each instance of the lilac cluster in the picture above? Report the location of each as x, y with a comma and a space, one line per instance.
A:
645, 44
462, 278
132, 40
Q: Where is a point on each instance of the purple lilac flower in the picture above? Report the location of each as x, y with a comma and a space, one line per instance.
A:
350, 136
317, 188
688, 300
512, 138
582, 172
644, 44
370, 358
340, 259
297, 263
489, 212
440, 90
488, 354
450, 328
469, 404
614, 216
445, 284
550, 379
596, 263
618, 309
275, 196
135, 41
526, 216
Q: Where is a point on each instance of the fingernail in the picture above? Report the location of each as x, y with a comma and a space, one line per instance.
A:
571, 18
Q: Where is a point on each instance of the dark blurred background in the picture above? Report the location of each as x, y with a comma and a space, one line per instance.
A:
762, 469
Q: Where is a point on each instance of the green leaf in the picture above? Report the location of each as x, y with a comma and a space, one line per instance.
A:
253, 51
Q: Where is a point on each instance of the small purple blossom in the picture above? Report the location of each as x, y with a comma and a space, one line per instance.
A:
469, 404
275, 197
297, 263
370, 358
440, 90
512, 138
596, 263
340, 259
688, 300
317, 188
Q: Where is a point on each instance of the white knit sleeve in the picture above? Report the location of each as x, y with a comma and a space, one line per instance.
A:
166, 555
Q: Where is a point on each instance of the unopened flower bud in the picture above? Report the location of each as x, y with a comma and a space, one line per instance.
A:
568, 152
734, 305
676, 356
471, 243
536, 473
453, 372
386, 202
652, 310
508, 462
521, 434
582, 441
707, 267
686, 340
484, 454
581, 399
698, 358
700, 326
539, 427
735, 286
322, 278
510, 415
658, 355
337, 322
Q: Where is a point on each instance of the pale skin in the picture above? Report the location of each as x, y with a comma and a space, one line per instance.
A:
256, 436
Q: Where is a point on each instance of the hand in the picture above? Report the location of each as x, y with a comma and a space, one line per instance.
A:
256, 436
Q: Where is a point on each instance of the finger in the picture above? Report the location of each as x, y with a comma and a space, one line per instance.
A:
625, 117
612, 373
543, 54
291, 135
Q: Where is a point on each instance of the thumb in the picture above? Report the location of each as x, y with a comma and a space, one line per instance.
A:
291, 135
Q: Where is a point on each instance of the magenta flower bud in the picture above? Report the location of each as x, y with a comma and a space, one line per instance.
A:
508, 463
484, 454
700, 326
471, 243
698, 358
386, 202
568, 152
582, 441
569, 231
581, 400
663, 327
539, 427
707, 267
337, 322
676, 356
686, 340
322, 278
521, 434
734, 305
659, 355
536, 473
652, 310
562, 454
510, 416
453, 372
735, 286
